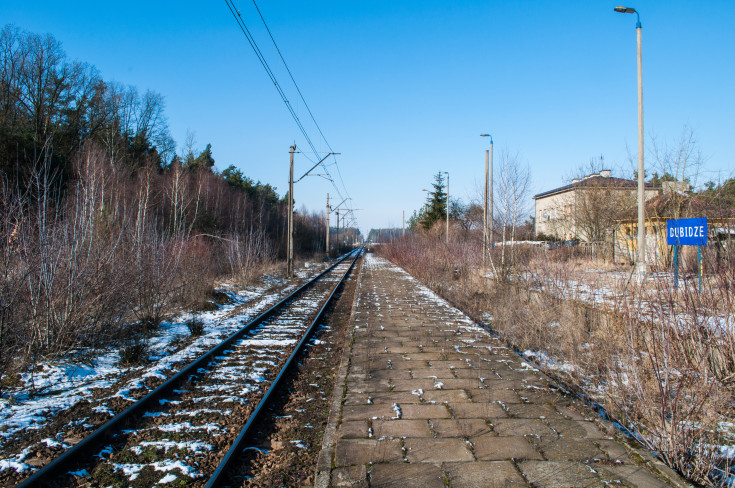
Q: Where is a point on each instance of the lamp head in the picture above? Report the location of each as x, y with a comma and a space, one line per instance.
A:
624, 10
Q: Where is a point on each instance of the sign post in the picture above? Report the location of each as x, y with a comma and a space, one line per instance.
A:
676, 267
699, 256
687, 232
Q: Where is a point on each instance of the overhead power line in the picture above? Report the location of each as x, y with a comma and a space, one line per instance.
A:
254, 45
292, 78
298, 90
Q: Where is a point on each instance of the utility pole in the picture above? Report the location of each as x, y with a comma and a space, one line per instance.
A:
289, 246
404, 224
338, 234
327, 246
488, 213
289, 250
344, 227
447, 173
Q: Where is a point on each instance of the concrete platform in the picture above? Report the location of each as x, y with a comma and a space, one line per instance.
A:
426, 398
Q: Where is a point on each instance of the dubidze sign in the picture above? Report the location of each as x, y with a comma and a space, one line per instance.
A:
686, 232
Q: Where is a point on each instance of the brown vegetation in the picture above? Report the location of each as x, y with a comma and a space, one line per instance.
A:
114, 254
104, 229
661, 361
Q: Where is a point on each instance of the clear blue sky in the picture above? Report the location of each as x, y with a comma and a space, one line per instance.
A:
403, 89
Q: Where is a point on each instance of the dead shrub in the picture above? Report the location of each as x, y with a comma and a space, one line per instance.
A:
195, 326
133, 351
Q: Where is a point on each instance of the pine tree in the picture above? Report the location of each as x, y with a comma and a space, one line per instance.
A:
437, 210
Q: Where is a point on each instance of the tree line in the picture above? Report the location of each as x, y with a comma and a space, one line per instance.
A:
104, 227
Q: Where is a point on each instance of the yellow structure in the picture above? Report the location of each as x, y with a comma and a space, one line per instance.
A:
721, 233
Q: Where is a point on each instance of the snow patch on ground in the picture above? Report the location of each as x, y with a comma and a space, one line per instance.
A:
132, 470
52, 387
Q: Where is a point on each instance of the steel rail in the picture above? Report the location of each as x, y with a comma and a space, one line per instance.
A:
220, 474
70, 457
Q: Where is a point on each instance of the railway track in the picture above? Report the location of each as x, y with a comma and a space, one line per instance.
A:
179, 431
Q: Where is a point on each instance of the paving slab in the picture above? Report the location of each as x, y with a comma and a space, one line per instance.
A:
437, 451
405, 475
495, 448
401, 428
484, 474
425, 411
351, 476
351, 452
425, 398
487, 411
460, 427
565, 474
354, 429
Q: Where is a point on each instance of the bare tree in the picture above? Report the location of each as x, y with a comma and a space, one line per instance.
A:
679, 164
12, 275
511, 201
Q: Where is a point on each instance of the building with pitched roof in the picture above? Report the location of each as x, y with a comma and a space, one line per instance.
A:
587, 208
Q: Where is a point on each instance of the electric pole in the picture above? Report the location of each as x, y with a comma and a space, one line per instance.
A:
447, 173
327, 247
487, 241
289, 250
289, 246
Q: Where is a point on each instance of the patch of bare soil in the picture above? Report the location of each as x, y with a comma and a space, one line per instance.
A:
285, 451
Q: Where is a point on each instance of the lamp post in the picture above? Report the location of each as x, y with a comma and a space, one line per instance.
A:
487, 236
447, 173
641, 267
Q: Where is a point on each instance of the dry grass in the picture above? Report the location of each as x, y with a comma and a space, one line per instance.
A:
661, 361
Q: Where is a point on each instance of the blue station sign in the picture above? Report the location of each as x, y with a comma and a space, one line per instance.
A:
686, 232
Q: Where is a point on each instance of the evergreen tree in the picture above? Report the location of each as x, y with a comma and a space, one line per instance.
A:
437, 204
204, 161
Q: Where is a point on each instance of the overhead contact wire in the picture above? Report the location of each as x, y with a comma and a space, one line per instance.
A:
254, 45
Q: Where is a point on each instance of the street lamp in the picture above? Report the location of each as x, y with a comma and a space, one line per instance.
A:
641, 266
488, 210
447, 173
